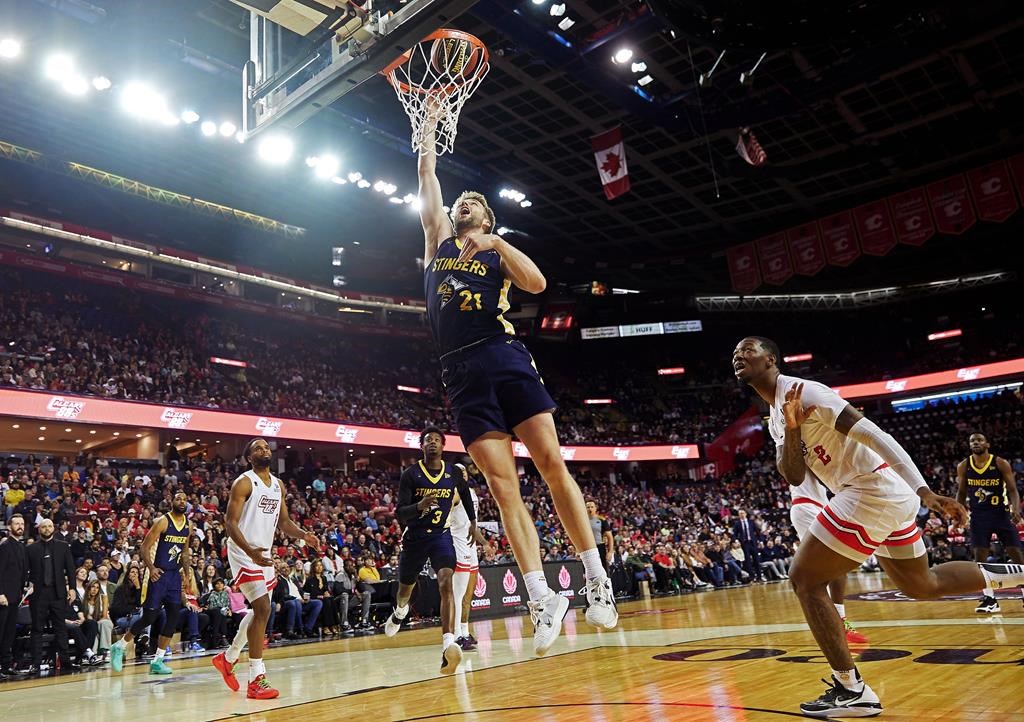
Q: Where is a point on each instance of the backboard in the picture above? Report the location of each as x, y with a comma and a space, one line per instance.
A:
343, 46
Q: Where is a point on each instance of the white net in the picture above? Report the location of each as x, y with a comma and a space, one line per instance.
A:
433, 83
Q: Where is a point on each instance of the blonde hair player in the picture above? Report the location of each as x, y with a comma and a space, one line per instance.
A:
256, 509
877, 493
495, 388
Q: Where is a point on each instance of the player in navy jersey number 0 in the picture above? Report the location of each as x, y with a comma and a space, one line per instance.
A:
496, 390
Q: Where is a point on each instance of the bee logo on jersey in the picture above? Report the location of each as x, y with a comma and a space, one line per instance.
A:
448, 288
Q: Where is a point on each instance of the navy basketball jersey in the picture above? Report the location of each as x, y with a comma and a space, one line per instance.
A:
986, 490
441, 486
171, 544
465, 301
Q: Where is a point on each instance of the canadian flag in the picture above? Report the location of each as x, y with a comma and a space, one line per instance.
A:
610, 155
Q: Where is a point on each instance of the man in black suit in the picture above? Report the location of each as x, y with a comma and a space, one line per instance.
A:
51, 571
13, 575
745, 531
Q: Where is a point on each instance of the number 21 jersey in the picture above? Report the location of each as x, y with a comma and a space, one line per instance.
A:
466, 300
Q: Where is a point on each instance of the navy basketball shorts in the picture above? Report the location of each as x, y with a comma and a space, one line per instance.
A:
983, 526
493, 387
165, 590
438, 548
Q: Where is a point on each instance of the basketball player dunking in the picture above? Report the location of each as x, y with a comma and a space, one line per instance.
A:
465, 537
988, 484
496, 390
165, 551
256, 509
877, 493
426, 494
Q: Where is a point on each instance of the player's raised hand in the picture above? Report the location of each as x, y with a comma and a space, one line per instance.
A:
259, 557
475, 242
793, 408
946, 506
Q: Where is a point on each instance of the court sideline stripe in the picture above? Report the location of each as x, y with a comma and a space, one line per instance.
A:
695, 705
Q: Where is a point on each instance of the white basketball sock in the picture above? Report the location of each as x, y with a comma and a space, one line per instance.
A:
460, 582
849, 679
401, 612
241, 638
447, 639
841, 608
592, 568
987, 592
536, 585
256, 668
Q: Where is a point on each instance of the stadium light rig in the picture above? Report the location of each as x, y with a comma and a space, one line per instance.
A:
10, 48
622, 56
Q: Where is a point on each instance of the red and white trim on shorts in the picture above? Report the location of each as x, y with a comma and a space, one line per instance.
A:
272, 583
460, 567
805, 500
245, 576
903, 537
848, 533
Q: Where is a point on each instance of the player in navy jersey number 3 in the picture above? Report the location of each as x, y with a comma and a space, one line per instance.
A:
496, 390
426, 494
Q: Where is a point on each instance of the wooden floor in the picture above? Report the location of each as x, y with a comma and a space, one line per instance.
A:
737, 654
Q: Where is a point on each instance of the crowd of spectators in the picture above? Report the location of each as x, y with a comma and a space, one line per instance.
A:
60, 335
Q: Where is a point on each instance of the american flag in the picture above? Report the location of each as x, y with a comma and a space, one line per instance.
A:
749, 149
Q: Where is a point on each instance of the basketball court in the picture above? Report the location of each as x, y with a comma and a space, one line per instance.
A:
737, 654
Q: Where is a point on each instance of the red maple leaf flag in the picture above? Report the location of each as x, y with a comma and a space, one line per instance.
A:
610, 155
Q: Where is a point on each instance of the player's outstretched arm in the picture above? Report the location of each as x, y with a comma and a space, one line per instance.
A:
436, 224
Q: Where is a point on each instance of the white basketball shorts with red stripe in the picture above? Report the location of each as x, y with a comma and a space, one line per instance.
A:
466, 559
878, 517
251, 580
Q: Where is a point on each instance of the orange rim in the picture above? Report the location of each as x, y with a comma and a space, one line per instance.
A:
438, 34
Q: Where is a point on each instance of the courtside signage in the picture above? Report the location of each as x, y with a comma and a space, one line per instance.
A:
91, 410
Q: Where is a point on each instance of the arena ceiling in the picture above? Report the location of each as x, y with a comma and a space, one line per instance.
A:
848, 107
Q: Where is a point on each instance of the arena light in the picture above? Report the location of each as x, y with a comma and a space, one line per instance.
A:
142, 101
228, 362
10, 48
101, 83
275, 149
363, 183
622, 55
952, 333
208, 128
338, 180
638, 67
646, 80
796, 358
355, 176
408, 198
189, 116
58, 67
558, 10
539, 2
502, 230
410, 389
396, 200
75, 85
672, 371
227, 129
526, 204
566, 23
327, 166
416, 204
598, 402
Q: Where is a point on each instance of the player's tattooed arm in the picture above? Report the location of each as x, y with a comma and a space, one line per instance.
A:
790, 458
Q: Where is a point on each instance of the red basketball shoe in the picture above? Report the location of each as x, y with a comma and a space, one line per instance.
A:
852, 635
259, 688
227, 671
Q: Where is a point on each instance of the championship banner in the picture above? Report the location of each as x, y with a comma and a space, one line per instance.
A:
993, 192
776, 265
874, 225
610, 156
912, 217
840, 239
743, 268
744, 436
954, 213
140, 414
806, 249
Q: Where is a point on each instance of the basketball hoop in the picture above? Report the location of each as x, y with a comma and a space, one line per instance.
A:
433, 80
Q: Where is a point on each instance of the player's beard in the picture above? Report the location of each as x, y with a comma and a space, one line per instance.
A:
260, 464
